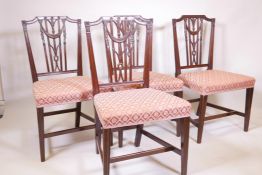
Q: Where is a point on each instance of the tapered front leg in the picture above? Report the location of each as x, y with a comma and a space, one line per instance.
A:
40, 119
184, 144
138, 138
249, 97
98, 132
106, 151
78, 114
120, 138
201, 119
178, 127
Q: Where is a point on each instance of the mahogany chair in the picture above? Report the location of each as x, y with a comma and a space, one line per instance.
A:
51, 91
197, 40
136, 106
158, 81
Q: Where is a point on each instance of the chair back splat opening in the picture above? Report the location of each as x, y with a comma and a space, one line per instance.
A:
194, 41
55, 41
128, 49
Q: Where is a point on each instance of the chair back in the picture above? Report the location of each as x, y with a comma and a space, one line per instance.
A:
53, 33
194, 36
128, 47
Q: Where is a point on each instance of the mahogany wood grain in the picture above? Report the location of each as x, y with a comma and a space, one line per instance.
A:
53, 36
193, 26
121, 61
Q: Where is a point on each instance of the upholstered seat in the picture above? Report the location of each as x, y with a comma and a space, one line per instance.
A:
55, 58
216, 81
158, 81
161, 81
62, 91
138, 106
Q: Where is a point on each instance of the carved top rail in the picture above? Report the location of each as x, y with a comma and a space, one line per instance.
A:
193, 28
123, 42
53, 33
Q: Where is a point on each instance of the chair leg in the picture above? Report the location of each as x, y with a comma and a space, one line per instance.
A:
40, 119
97, 132
184, 144
201, 119
198, 110
139, 129
111, 139
249, 97
106, 150
78, 114
98, 138
120, 138
179, 94
178, 127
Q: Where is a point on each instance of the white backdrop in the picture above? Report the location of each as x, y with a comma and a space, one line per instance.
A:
237, 39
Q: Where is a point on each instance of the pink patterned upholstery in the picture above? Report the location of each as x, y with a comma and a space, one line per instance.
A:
158, 81
215, 81
161, 82
61, 91
138, 106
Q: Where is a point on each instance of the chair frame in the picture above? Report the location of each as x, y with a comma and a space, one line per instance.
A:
104, 150
51, 70
111, 72
201, 111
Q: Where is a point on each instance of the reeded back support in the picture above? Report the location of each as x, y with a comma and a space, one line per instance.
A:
125, 37
53, 35
195, 32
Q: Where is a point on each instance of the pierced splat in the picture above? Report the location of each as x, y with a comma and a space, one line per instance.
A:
193, 28
128, 45
53, 34
122, 36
